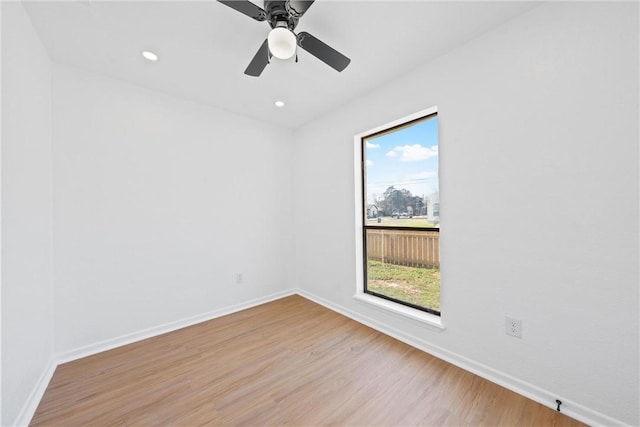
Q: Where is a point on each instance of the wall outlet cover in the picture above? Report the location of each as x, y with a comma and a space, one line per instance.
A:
513, 327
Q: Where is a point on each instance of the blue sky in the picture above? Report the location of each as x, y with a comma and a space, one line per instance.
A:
407, 158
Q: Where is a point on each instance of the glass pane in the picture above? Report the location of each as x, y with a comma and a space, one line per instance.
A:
404, 265
401, 189
401, 176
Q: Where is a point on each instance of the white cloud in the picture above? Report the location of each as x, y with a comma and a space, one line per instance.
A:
372, 145
412, 153
369, 163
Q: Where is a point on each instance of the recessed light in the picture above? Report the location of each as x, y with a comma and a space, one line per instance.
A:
150, 56
279, 104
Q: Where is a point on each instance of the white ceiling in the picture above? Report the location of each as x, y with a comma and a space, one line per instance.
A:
204, 47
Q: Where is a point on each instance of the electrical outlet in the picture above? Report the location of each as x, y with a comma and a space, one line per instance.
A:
513, 327
238, 277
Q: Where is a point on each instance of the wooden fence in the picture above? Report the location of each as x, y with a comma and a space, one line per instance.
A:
404, 247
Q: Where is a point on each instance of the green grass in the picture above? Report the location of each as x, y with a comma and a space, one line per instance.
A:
420, 286
401, 222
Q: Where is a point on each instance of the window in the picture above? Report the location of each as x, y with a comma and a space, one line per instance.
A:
400, 212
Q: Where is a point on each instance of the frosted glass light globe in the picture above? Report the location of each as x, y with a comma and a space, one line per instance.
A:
282, 43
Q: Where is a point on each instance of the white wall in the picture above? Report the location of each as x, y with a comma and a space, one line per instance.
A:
27, 302
539, 121
158, 202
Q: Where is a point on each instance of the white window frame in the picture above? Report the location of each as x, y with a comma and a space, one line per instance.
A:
360, 295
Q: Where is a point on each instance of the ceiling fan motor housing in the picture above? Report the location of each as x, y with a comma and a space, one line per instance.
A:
278, 14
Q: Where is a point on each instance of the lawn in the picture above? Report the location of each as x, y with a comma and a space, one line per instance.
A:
401, 222
420, 286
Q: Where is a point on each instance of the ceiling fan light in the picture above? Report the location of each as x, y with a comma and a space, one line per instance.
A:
282, 43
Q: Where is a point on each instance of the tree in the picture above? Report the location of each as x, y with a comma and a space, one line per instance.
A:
418, 205
394, 200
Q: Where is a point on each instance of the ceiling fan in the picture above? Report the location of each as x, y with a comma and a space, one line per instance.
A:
281, 42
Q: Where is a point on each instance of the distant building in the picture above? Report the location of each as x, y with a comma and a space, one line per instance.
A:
372, 211
432, 202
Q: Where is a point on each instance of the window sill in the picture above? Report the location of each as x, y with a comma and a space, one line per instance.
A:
403, 310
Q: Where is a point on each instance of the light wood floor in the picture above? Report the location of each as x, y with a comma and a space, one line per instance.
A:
288, 362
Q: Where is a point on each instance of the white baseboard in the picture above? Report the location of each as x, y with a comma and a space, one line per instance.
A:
112, 343
537, 394
32, 402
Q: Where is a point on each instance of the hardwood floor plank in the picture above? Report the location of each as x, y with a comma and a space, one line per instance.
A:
288, 362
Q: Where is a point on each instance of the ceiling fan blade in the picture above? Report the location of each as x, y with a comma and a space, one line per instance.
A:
322, 51
297, 8
247, 8
259, 61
